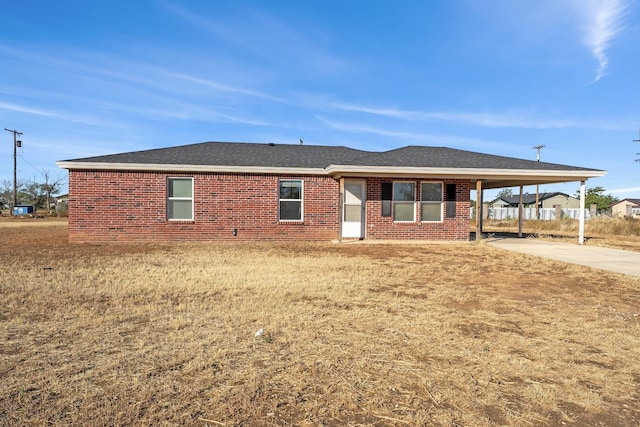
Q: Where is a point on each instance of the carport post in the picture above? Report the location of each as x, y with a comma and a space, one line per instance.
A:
582, 204
520, 213
340, 215
478, 210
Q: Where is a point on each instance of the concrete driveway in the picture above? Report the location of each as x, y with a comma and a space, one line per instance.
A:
615, 260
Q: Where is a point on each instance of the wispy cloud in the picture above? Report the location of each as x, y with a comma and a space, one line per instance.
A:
28, 110
69, 117
408, 137
509, 119
624, 190
604, 21
226, 88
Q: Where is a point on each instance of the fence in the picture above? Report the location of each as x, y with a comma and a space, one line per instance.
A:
546, 214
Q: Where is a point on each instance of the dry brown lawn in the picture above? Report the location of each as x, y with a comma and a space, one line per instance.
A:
354, 334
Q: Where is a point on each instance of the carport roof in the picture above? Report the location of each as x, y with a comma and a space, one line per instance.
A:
410, 161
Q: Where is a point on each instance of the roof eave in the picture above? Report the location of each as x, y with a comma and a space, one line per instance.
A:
493, 178
471, 173
73, 165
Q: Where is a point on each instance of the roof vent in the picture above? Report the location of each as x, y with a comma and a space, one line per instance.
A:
271, 144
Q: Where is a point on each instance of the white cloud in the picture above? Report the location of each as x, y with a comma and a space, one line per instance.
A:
408, 137
226, 88
69, 117
624, 190
499, 120
27, 110
509, 119
604, 21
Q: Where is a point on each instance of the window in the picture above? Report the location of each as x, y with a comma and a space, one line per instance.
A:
387, 198
450, 197
290, 200
431, 198
404, 201
353, 201
180, 199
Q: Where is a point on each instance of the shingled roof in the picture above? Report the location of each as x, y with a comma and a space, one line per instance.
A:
495, 171
528, 199
442, 157
236, 154
317, 156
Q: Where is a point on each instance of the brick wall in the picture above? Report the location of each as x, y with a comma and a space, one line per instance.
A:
132, 206
379, 227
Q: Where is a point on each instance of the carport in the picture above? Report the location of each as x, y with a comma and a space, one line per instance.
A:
529, 174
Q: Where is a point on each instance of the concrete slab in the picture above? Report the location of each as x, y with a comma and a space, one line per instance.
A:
625, 262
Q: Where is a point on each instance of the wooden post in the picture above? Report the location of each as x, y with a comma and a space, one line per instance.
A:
478, 210
520, 212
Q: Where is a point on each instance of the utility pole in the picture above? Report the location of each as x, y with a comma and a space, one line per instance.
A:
16, 143
539, 148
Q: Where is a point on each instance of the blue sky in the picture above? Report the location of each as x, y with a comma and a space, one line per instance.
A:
83, 78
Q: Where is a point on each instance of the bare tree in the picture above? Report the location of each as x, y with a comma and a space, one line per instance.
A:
52, 184
6, 193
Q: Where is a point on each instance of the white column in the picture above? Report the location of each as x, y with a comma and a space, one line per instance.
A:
340, 210
582, 203
520, 212
479, 210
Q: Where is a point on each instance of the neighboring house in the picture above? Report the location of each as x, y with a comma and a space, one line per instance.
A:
626, 207
248, 191
57, 200
545, 200
63, 198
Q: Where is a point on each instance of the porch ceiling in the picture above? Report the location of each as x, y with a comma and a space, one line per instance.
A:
491, 178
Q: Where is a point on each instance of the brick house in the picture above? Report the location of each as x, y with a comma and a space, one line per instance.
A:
247, 191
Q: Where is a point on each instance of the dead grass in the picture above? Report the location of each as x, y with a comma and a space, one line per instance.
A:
444, 335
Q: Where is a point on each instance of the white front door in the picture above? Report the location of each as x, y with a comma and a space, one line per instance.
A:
353, 214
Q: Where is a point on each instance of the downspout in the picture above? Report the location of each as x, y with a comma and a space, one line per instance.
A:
581, 216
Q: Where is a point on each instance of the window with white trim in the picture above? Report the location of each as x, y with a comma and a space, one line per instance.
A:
431, 202
291, 200
404, 201
180, 199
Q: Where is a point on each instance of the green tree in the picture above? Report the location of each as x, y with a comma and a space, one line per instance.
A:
505, 192
596, 196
